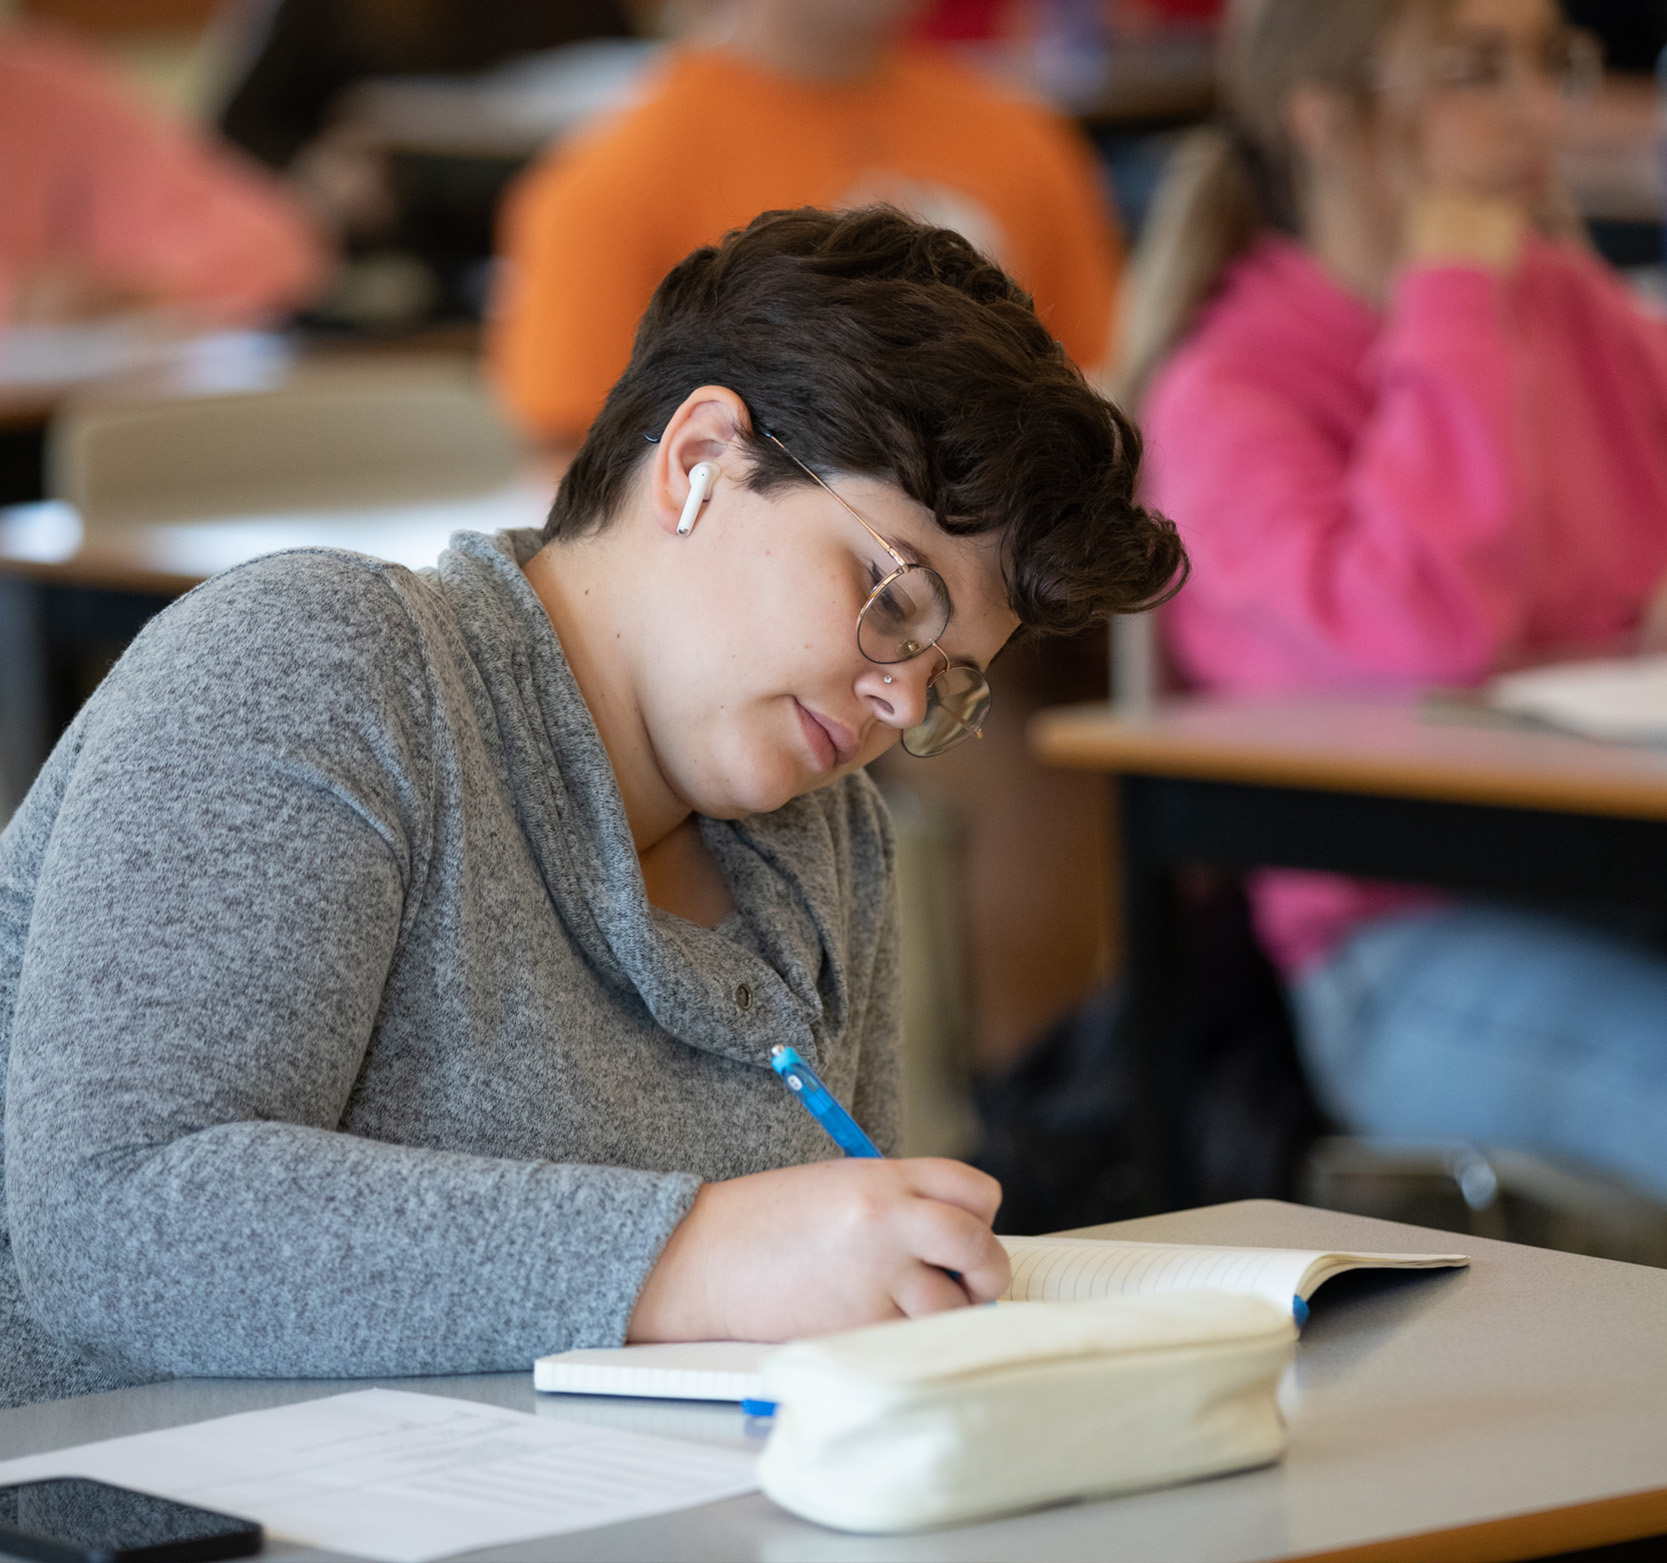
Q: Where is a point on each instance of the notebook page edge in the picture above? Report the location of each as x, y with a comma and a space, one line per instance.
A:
1289, 1264
1325, 1266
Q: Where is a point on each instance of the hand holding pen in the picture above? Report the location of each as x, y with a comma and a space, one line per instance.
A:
826, 1246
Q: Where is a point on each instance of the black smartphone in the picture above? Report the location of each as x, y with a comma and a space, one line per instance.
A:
72, 1520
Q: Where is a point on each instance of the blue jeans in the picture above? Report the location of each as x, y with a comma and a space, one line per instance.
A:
1502, 1027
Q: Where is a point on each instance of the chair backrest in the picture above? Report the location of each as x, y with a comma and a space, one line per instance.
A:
330, 438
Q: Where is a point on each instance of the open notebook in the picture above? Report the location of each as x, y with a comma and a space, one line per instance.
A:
1045, 1269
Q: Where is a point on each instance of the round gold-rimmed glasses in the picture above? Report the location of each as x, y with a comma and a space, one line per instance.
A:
906, 614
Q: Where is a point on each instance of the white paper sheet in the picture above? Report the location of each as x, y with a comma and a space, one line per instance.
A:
403, 1477
1621, 699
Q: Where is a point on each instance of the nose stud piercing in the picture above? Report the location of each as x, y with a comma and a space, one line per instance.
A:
888, 678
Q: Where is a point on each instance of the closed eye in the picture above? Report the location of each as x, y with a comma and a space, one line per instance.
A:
887, 610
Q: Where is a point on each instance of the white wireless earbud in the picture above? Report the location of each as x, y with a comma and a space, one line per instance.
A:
701, 479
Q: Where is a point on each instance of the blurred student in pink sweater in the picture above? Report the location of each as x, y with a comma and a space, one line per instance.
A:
1413, 431
107, 205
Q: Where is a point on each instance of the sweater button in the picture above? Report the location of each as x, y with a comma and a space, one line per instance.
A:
743, 996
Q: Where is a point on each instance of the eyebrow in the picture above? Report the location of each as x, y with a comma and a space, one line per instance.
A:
919, 556
910, 553
915, 556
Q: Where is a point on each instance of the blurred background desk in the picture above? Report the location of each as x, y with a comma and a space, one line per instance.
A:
1385, 789
70, 599
197, 453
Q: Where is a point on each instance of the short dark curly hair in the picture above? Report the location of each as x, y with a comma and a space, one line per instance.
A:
877, 346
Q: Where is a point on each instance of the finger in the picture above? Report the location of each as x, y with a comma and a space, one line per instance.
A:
991, 1276
955, 1183
949, 1238
924, 1289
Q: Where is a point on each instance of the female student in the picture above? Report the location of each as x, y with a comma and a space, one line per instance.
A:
1413, 431
390, 963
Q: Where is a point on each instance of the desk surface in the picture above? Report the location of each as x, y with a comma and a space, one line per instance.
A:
1514, 1409
1395, 747
42, 368
47, 542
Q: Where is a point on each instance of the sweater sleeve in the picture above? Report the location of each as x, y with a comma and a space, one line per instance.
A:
236, 854
1392, 555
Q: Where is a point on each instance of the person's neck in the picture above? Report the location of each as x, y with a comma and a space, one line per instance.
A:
1350, 242
770, 34
578, 584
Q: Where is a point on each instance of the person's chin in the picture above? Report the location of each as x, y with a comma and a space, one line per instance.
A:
764, 788
763, 770
746, 786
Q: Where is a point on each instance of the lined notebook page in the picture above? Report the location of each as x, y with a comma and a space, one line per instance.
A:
679, 1370
1066, 1269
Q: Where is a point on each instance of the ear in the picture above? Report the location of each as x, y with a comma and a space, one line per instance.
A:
707, 427
1316, 120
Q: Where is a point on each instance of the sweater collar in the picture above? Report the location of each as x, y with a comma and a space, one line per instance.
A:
784, 946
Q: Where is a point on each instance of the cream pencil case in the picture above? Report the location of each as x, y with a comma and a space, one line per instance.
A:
982, 1411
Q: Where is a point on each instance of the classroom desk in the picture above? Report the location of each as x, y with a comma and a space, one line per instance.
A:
44, 368
1383, 788
1517, 1409
72, 597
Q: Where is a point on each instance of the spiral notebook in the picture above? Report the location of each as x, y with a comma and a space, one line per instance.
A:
1045, 1269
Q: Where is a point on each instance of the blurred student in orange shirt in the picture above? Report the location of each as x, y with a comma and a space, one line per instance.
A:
108, 205
794, 103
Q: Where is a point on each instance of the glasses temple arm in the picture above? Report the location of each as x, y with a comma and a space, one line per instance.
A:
896, 558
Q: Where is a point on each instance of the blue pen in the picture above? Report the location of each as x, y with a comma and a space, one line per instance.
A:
824, 1106
843, 1129
821, 1103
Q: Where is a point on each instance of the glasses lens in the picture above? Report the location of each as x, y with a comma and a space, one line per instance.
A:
957, 705
908, 611
1570, 61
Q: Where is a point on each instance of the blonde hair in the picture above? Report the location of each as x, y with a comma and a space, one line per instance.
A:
1230, 181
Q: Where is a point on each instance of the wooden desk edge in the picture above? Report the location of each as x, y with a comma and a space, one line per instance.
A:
1061, 740
1539, 1534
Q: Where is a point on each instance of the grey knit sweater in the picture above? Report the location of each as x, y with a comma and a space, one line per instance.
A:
337, 1034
